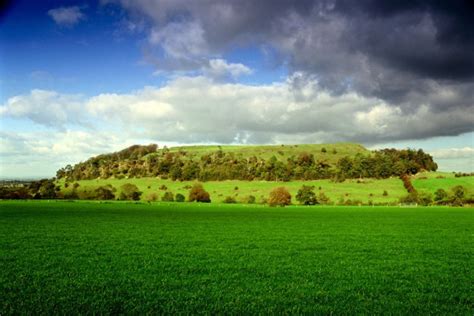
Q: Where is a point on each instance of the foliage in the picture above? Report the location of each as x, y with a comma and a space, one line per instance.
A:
130, 192
298, 164
179, 197
168, 196
229, 200
152, 197
306, 195
279, 197
250, 199
198, 194
105, 193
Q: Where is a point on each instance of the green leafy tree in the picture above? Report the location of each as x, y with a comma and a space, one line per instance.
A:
130, 192
179, 197
168, 197
306, 195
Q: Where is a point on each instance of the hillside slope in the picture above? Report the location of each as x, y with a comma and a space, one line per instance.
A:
270, 163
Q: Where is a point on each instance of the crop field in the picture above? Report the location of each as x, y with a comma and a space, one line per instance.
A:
84, 257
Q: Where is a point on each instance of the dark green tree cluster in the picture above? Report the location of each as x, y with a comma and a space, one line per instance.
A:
145, 161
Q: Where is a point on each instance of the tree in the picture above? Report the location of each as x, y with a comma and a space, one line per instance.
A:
440, 195
279, 197
198, 194
179, 197
168, 197
130, 192
306, 195
105, 193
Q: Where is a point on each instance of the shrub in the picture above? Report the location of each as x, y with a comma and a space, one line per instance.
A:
130, 192
236, 188
410, 198
440, 196
279, 197
198, 194
323, 150
250, 199
306, 195
425, 199
152, 197
168, 197
179, 197
385, 193
229, 200
163, 187
323, 198
105, 193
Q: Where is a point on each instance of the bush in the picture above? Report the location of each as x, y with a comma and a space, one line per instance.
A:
323, 198
425, 199
410, 198
105, 193
306, 195
130, 192
168, 197
440, 196
279, 197
179, 197
385, 193
250, 199
152, 197
323, 150
198, 194
229, 200
163, 187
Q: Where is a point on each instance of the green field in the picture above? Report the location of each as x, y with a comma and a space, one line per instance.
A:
364, 191
84, 257
333, 152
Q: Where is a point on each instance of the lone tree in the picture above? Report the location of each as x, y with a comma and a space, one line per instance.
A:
198, 194
279, 197
130, 192
306, 195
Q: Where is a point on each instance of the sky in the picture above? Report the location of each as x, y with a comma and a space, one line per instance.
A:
81, 78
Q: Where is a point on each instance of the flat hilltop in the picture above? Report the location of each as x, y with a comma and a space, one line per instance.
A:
328, 152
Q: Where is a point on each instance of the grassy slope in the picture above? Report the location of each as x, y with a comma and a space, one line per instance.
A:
69, 258
218, 190
349, 189
431, 181
282, 152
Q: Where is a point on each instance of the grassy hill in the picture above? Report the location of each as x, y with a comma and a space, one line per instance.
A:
330, 153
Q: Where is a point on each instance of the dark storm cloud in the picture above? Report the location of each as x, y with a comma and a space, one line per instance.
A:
411, 54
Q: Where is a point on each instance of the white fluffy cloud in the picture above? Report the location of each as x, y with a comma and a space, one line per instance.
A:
66, 16
47, 108
454, 153
41, 154
200, 109
221, 69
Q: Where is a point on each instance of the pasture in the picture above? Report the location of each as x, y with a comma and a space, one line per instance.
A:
84, 257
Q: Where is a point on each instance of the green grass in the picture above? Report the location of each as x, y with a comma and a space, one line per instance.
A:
281, 152
83, 257
431, 181
369, 189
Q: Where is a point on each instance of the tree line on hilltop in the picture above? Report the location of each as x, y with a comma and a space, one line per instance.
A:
145, 161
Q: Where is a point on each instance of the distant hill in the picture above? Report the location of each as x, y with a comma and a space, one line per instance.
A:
248, 162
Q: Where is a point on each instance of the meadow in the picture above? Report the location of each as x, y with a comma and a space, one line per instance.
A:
118, 257
363, 190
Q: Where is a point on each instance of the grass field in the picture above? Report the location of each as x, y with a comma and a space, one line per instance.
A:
370, 189
367, 190
84, 257
333, 153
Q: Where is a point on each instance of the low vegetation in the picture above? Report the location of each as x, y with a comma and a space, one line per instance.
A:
128, 258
